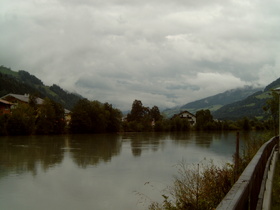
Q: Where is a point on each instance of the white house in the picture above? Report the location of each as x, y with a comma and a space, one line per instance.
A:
185, 114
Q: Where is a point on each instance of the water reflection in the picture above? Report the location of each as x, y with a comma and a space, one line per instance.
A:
144, 141
99, 171
140, 142
205, 139
92, 149
20, 154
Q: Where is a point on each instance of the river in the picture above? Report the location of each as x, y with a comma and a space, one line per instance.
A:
104, 171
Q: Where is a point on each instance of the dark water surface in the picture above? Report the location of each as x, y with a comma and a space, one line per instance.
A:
124, 171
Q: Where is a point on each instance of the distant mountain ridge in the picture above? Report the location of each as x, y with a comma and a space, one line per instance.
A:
215, 102
233, 104
22, 82
251, 107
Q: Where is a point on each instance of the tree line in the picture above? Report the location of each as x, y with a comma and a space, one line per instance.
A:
31, 118
143, 118
96, 117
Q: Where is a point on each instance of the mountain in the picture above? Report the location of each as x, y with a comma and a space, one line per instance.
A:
22, 82
252, 106
215, 102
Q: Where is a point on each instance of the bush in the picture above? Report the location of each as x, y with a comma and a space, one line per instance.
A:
201, 186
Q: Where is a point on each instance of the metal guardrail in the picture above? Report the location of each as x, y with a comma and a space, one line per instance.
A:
246, 193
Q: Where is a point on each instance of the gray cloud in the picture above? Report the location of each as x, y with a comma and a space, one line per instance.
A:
163, 53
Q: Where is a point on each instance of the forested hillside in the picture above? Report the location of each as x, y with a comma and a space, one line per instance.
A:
233, 104
22, 82
215, 102
250, 107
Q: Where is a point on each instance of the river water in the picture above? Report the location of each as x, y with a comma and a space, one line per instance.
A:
104, 171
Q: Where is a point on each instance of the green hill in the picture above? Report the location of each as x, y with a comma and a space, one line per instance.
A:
22, 82
233, 104
215, 102
250, 107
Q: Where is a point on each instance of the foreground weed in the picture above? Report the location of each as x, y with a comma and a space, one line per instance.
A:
199, 186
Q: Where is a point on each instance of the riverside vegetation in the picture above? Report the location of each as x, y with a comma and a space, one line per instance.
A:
96, 117
204, 185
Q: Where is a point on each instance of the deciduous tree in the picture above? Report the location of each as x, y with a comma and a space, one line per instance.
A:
204, 120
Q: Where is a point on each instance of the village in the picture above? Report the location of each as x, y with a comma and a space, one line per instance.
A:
11, 101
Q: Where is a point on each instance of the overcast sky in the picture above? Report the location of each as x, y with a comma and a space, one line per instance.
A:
162, 52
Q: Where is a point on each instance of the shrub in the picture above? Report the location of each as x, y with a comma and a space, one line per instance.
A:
201, 186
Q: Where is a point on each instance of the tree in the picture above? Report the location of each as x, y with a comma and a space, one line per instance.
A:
138, 111
139, 118
245, 124
21, 121
98, 117
204, 120
50, 118
26, 77
179, 124
155, 114
272, 106
113, 118
94, 117
59, 118
80, 119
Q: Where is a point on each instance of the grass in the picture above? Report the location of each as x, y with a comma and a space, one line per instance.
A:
264, 95
250, 105
8, 71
